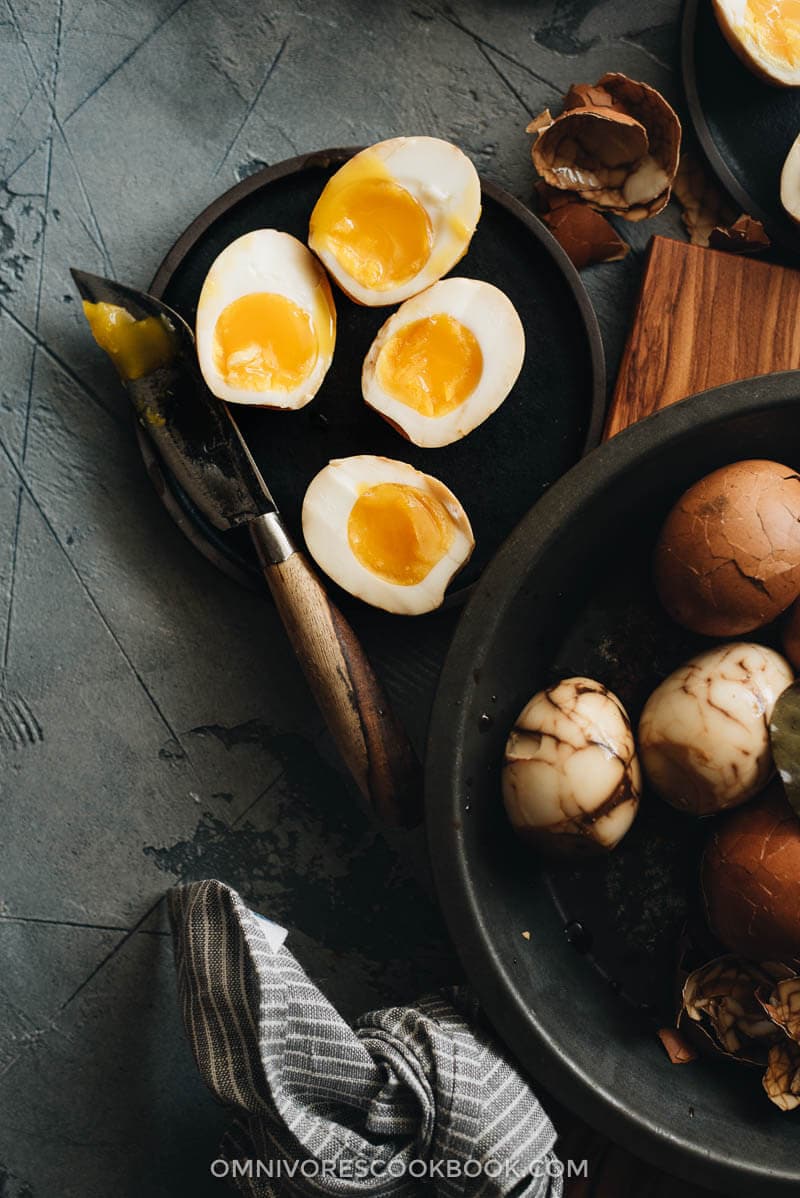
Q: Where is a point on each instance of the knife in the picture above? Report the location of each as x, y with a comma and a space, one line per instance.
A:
199, 441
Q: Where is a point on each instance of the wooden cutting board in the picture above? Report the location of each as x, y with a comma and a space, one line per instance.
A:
703, 318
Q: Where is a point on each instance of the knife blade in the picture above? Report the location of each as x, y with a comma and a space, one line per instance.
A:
195, 434
153, 350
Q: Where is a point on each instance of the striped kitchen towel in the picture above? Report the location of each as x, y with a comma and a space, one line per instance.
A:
417, 1099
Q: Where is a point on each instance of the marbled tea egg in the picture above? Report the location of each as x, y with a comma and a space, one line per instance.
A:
704, 732
571, 778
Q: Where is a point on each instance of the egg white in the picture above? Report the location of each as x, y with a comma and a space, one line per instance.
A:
442, 180
326, 510
270, 261
736, 25
492, 319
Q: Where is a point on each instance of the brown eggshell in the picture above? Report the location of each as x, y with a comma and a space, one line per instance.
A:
585, 235
727, 560
750, 879
791, 635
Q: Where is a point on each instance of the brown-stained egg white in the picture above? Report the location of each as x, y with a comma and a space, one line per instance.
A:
704, 732
751, 880
727, 560
571, 778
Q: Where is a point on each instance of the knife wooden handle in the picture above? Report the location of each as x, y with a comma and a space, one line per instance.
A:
370, 738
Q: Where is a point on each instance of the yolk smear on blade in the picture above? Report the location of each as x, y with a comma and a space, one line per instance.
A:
774, 26
136, 347
264, 342
399, 532
379, 233
432, 365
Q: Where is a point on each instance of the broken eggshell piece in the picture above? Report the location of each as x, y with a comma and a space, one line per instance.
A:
720, 998
781, 1080
571, 778
616, 144
584, 234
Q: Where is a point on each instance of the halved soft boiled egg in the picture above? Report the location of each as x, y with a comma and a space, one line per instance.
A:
445, 361
765, 34
385, 532
395, 218
266, 322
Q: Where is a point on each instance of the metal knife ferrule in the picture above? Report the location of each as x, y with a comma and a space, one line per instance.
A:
272, 541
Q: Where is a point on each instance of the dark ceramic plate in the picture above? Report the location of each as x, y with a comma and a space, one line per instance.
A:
553, 414
581, 1000
745, 125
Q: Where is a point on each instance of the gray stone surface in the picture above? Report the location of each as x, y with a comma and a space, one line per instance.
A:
153, 724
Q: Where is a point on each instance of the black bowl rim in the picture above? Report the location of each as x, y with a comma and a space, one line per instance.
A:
495, 987
211, 544
781, 232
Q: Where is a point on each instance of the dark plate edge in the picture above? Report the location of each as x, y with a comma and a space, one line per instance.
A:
504, 1004
212, 545
780, 235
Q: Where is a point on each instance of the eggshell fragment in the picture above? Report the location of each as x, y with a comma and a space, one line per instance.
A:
584, 234
615, 144
727, 560
704, 204
750, 879
704, 732
571, 778
745, 236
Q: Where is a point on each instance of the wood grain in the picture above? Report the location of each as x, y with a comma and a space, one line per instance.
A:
703, 318
373, 744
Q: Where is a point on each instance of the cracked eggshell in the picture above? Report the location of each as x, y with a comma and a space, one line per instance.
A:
616, 144
750, 880
571, 778
727, 560
704, 732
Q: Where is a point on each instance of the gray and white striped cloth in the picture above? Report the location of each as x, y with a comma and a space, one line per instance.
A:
414, 1099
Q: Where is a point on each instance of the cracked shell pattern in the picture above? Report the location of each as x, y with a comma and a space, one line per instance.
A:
704, 732
571, 778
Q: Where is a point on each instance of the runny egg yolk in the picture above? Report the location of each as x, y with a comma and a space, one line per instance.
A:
136, 347
774, 25
265, 342
378, 231
399, 532
432, 365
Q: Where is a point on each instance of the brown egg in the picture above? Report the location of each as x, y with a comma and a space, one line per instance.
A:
727, 560
751, 879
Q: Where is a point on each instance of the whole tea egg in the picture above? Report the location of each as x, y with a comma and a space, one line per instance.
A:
751, 879
571, 778
704, 732
727, 560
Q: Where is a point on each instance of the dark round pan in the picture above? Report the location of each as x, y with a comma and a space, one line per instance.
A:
553, 415
580, 1001
745, 125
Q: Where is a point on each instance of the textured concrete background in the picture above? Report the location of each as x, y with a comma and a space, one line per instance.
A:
153, 725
